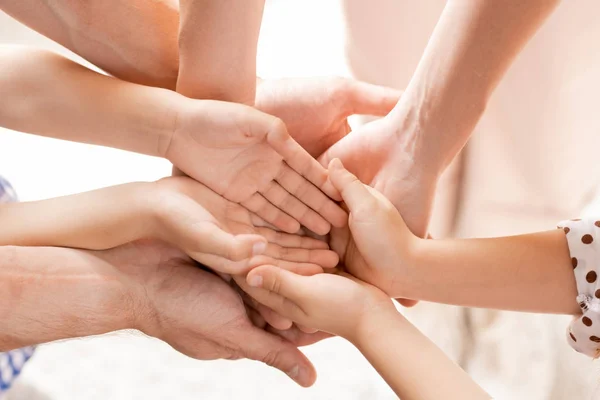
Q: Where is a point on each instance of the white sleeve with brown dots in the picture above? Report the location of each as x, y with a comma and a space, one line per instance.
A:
583, 237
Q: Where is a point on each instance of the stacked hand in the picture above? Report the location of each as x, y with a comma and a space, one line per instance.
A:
199, 314
249, 158
374, 250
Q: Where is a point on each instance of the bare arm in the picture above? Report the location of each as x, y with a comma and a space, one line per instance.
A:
524, 273
49, 95
413, 366
132, 40
217, 46
471, 48
57, 293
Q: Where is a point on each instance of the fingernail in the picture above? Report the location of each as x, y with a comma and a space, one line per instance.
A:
294, 372
300, 375
259, 248
337, 163
255, 281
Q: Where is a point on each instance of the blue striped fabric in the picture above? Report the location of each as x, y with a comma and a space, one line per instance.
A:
12, 362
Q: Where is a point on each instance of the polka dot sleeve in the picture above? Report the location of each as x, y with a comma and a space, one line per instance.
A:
583, 237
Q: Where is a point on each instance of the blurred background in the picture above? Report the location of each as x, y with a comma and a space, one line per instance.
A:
512, 178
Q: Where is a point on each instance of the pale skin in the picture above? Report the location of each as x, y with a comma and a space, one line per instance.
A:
178, 210
524, 273
510, 273
60, 293
256, 157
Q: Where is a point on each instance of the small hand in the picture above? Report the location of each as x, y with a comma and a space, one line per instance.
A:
249, 158
316, 110
224, 235
334, 303
378, 247
198, 314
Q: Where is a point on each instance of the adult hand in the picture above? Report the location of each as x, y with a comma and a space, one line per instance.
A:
316, 110
249, 158
378, 154
197, 313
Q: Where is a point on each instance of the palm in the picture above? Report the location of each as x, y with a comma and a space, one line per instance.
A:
374, 154
315, 110
248, 157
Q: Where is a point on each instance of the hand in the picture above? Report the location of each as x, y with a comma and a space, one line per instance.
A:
198, 314
378, 154
378, 248
224, 235
316, 110
333, 303
249, 158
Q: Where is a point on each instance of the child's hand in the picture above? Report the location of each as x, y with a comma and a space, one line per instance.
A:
377, 247
224, 235
337, 304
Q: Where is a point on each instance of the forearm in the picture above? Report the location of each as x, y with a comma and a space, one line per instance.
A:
523, 273
55, 293
217, 47
133, 40
96, 220
471, 48
48, 95
411, 364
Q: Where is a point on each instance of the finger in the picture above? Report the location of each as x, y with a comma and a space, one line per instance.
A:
271, 214
298, 337
227, 266
211, 239
286, 202
291, 240
299, 159
306, 329
269, 316
324, 258
368, 99
310, 195
353, 191
273, 350
279, 281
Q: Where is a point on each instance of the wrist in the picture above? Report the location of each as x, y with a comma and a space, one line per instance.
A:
434, 128
415, 272
373, 324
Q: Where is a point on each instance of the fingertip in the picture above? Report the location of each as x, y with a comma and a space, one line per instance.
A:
256, 277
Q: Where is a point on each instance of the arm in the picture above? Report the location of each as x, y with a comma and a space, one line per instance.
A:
217, 49
471, 48
513, 273
524, 273
407, 360
55, 293
133, 40
179, 211
365, 316
248, 151
67, 101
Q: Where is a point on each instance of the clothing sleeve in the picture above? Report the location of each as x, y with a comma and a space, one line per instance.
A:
583, 237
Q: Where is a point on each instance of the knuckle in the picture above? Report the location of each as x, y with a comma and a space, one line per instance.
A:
271, 358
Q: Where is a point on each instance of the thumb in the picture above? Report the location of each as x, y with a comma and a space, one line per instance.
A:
214, 240
367, 99
276, 352
354, 193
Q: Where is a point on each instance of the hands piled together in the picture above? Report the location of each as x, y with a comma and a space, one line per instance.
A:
257, 195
